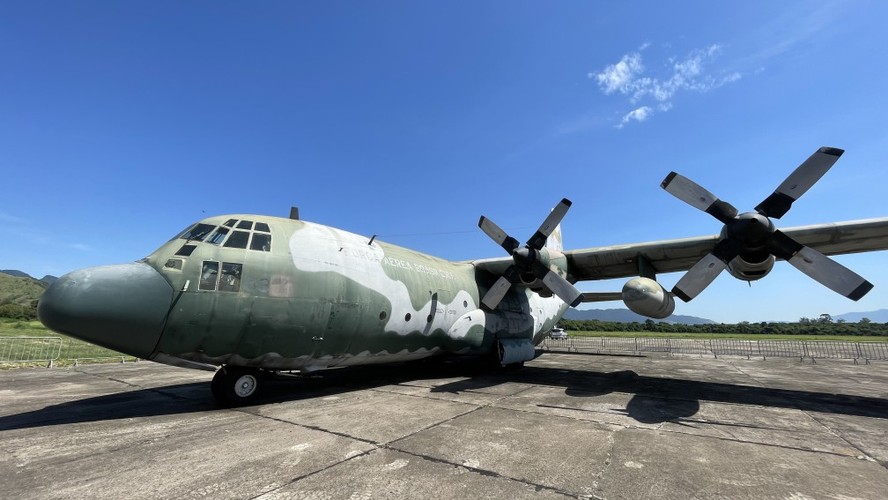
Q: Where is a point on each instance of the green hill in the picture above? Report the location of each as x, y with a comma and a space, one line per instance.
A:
18, 296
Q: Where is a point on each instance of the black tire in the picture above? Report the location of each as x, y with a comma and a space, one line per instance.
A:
236, 386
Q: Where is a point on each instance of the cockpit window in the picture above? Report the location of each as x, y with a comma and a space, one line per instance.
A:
208, 275
229, 281
242, 234
186, 250
261, 242
238, 239
197, 232
218, 235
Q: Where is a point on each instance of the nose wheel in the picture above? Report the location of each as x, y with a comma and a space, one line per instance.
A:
237, 386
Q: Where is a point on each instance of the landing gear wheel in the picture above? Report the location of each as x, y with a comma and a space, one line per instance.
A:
236, 386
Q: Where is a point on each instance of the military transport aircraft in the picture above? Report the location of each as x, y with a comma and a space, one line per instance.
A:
258, 295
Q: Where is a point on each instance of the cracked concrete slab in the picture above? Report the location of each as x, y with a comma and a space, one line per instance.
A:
567, 425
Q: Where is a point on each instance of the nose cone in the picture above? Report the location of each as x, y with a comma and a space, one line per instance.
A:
121, 307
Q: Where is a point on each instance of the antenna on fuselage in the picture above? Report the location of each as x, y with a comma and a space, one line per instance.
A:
294, 213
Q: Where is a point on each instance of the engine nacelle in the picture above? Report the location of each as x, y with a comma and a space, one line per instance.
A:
750, 271
647, 297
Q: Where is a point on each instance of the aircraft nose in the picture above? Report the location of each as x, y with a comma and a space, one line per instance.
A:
121, 307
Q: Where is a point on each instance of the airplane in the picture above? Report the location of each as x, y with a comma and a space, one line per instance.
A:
248, 296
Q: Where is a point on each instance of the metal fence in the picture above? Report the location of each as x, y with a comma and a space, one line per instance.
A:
807, 349
52, 350
30, 349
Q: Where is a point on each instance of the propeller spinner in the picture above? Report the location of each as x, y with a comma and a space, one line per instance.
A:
527, 260
753, 237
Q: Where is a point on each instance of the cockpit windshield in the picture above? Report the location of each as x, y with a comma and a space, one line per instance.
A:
196, 232
254, 236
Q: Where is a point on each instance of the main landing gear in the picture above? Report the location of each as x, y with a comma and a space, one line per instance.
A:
237, 386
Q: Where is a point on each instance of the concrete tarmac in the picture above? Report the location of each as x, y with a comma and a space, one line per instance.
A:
564, 426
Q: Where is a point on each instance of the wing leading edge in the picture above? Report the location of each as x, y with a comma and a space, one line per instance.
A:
666, 256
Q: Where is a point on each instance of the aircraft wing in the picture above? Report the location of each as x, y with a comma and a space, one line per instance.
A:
619, 261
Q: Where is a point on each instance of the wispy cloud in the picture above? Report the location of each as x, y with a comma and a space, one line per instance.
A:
641, 114
5, 217
620, 76
691, 73
79, 246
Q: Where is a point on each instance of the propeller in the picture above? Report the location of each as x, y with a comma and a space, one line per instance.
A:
753, 237
527, 260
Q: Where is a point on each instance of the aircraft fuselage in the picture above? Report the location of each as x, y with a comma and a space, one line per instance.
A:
285, 294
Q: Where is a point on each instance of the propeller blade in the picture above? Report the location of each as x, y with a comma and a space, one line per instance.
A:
496, 293
538, 240
830, 273
698, 197
699, 277
799, 181
495, 233
562, 288
821, 268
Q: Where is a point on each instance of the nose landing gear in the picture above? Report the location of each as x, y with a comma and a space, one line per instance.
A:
237, 386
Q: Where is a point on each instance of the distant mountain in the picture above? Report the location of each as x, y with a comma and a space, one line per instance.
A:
627, 316
878, 316
45, 281
49, 279
21, 290
15, 272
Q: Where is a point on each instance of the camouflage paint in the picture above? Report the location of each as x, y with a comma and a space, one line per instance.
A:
323, 297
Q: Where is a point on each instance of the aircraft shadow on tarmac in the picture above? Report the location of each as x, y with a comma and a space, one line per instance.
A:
654, 400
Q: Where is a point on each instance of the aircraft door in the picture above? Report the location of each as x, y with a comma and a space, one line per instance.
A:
342, 323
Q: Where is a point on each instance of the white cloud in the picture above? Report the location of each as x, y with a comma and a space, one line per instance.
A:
689, 74
640, 114
618, 76
80, 246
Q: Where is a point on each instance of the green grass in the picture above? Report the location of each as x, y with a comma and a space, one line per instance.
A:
71, 350
19, 291
733, 336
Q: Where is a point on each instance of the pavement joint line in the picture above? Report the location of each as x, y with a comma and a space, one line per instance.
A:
391, 445
755, 443
135, 386
484, 472
680, 420
834, 432
305, 426
830, 430
375, 445
312, 473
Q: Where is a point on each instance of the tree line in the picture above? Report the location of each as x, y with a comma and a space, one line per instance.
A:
9, 309
823, 325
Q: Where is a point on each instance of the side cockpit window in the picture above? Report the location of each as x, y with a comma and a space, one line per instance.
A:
230, 279
209, 275
226, 281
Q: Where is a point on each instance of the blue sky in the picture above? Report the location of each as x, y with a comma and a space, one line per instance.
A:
123, 122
